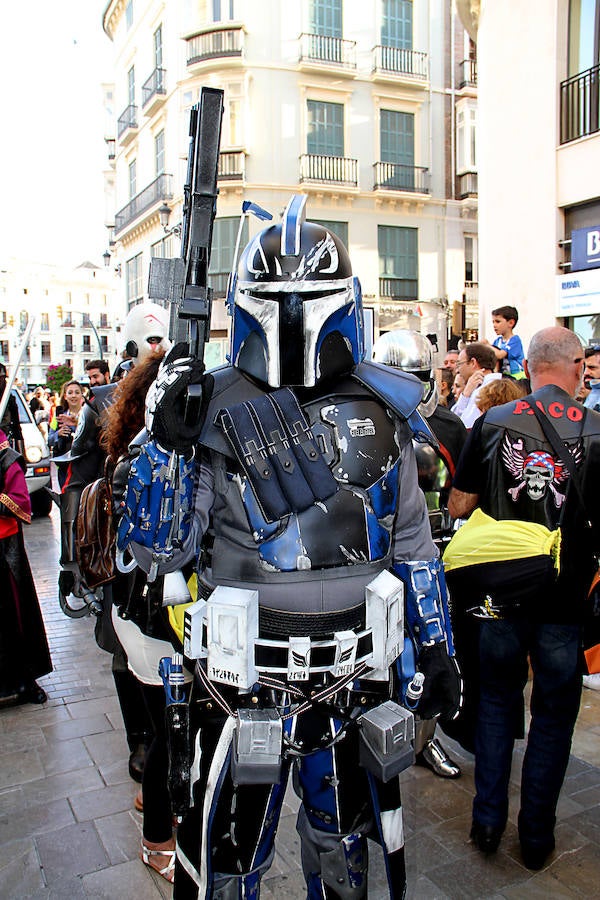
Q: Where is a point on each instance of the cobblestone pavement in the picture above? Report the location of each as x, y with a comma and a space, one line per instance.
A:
68, 828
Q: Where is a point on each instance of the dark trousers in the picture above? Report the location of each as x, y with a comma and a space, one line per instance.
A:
158, 817
554, 652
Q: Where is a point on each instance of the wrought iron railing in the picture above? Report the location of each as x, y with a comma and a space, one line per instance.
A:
154, 85
157, 191
232, 165
127, 119
396, 177
329, 169
580, 105
214, 44
467, 185
400, 62
332, 50
468, 73
398, 288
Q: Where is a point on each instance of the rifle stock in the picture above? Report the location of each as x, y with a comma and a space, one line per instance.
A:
183, 281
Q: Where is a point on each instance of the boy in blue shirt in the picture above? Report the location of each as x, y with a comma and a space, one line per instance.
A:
507, 346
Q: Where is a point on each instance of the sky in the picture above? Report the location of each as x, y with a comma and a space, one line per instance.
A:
53, 58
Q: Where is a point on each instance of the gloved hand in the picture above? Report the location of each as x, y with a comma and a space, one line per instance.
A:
173, 418
442, 689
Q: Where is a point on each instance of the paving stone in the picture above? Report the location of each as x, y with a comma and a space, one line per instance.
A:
35, 820
107, 747
104, 801
20, 767
69, 888
128, 880
107, 706
66, 784
64, 731
477, 877
16, 741
121, 835
74, 850
116, 772
11, 798
65, 756
20, 873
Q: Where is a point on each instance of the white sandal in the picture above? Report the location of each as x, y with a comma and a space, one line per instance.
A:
168, 873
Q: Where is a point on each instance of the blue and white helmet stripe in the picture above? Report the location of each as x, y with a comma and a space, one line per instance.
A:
291, 225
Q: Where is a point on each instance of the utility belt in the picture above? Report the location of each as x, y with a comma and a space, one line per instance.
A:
227, 632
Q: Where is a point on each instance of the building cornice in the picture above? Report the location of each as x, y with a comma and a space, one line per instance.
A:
111, 15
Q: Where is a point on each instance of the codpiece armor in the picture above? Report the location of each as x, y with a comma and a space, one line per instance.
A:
320, 593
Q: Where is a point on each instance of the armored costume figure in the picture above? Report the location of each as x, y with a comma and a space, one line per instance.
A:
313, 551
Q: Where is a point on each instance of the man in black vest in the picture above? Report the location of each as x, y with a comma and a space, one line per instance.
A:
510, 470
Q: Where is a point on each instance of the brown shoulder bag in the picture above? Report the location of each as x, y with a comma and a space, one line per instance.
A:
95, 535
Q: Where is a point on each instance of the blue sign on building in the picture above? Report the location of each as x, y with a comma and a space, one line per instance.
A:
585, 248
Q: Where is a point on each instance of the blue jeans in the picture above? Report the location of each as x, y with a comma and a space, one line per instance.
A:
554, 654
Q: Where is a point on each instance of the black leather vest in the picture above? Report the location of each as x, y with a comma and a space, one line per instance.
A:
525, 480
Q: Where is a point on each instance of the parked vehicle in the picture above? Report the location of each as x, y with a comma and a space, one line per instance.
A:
37, 457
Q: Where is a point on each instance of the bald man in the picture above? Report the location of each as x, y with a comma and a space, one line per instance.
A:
510, 470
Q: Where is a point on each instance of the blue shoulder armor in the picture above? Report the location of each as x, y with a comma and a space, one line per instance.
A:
400, 391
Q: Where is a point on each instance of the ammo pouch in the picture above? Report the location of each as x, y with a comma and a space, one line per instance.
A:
386, 740
273, 443
257, 741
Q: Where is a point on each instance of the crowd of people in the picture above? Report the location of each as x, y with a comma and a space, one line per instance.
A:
468, 438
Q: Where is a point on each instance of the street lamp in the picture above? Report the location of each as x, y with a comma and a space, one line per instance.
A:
164, 214
106, 257
89, 324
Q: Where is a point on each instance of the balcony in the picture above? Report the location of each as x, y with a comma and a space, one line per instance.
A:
579, 105
395, 177
232, 166
222, 43
155, 193
154, 92
468, 74
334, 170
321, 50
467, 185
68, 348
408, 65
392, 288
127, 125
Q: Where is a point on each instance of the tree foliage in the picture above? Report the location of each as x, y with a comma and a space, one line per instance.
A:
56, 376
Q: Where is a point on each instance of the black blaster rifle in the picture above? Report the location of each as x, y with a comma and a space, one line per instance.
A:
183, 281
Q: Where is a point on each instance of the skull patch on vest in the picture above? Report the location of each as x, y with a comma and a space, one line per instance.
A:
537, 472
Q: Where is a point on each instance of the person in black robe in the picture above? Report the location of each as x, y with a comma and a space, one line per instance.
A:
24, 653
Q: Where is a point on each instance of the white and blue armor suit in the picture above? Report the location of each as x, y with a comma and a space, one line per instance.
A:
318, 584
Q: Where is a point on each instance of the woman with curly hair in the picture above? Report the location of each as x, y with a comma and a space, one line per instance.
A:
503, 390
142, 627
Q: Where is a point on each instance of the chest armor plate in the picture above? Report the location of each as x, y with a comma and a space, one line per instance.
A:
357, 438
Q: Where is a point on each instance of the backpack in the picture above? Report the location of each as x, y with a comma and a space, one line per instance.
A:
95, 535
